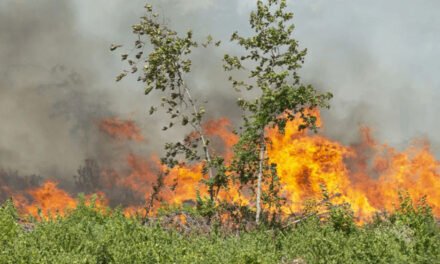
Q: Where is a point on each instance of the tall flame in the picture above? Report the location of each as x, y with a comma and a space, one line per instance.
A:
305, 163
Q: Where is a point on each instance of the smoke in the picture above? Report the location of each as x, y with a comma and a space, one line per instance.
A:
379, 60
57, 74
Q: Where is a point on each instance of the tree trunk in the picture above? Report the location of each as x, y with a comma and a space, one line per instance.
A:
204, 142
260, 178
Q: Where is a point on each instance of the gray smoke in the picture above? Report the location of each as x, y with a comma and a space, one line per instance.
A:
57, 74
379, 59
53, 89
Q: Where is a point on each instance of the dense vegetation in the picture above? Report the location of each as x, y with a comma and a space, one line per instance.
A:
88, 235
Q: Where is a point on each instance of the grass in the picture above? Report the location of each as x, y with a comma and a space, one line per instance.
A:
409, 235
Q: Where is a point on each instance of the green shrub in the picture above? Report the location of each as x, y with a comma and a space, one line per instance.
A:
88, 235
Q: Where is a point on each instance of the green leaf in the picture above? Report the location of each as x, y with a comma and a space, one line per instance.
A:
148, 90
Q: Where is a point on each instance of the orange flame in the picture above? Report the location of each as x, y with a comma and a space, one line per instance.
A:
49, 200
121, 129
305, 162
368, 175
221, 128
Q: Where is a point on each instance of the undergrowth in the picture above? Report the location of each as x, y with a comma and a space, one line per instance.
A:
85, 235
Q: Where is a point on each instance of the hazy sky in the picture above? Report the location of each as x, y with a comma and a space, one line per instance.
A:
379, 58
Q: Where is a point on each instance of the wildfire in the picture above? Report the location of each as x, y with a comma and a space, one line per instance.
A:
368, 175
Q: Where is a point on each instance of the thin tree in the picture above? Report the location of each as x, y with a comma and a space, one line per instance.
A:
163, 70
273, 58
